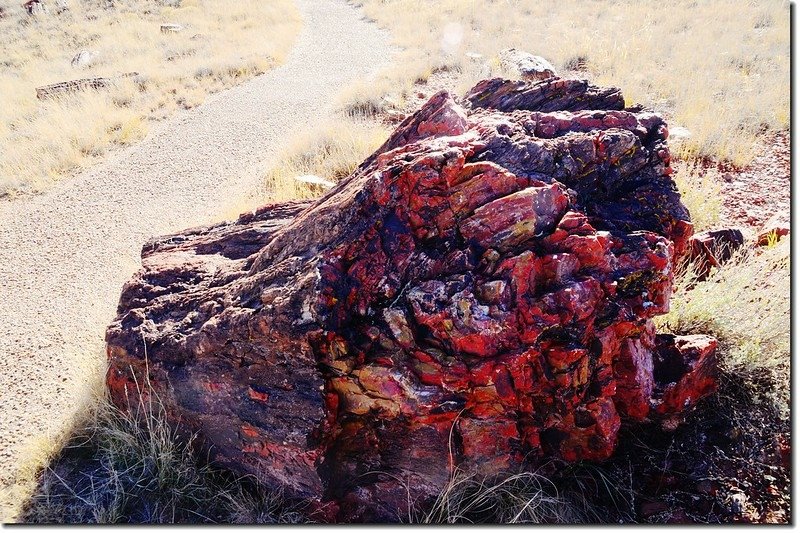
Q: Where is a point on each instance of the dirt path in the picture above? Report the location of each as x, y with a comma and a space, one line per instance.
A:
65, 255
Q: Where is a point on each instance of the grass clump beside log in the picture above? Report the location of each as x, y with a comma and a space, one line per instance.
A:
331, 152
135, 467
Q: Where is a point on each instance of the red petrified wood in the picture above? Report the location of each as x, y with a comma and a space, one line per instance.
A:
478, 294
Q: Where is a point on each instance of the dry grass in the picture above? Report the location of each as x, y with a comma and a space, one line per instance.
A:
134, 467
222, 43
745, 304
524, 498
701, 193
331, 153
719, 68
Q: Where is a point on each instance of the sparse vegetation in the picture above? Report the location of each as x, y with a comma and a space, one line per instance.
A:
727, 82
134, 467
565, 494
745, 305
221, 44
700, 190
331, 152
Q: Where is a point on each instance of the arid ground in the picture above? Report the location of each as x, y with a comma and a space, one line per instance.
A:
197, 138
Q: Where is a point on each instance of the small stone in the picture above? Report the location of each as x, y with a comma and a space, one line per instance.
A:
528, 66
711, 249
778, 226
316, 180
737, 502
679, 133
684, 370
171, 27
84, 58
35, 7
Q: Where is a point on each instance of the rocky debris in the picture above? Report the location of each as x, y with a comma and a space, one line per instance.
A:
684, 371
171, 27
35, 7
528, 66
754, 194
65, 87
711, 249
478, 295
43, 7
679, 133
778, 226
84, 58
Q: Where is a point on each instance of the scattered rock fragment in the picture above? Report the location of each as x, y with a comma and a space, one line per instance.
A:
679, 133
684, 371
35, 7
528, 66
65, 87
84, 58
316, 181
711, 249
778, 226
171, 27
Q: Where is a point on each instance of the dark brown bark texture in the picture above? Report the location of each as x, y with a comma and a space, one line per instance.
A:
477, 295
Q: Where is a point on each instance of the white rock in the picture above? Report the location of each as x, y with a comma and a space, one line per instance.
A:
171, 27
679, 133
84, 58
529, 66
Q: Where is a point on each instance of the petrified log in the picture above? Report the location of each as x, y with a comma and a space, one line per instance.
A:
71, 86
478, 294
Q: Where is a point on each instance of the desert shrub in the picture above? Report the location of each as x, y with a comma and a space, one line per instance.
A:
556, 493
745, 304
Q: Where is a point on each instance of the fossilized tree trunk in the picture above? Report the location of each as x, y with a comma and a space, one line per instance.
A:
476, 295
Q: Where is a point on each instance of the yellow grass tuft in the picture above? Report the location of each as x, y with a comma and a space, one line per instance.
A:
331, 152
701, 193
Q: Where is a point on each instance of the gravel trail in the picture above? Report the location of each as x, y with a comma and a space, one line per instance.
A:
64, 255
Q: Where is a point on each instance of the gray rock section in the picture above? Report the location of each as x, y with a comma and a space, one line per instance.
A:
65, 255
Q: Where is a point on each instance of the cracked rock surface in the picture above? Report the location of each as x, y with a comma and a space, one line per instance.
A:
478, 295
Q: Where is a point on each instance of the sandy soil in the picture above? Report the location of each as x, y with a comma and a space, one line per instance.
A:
65, 255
